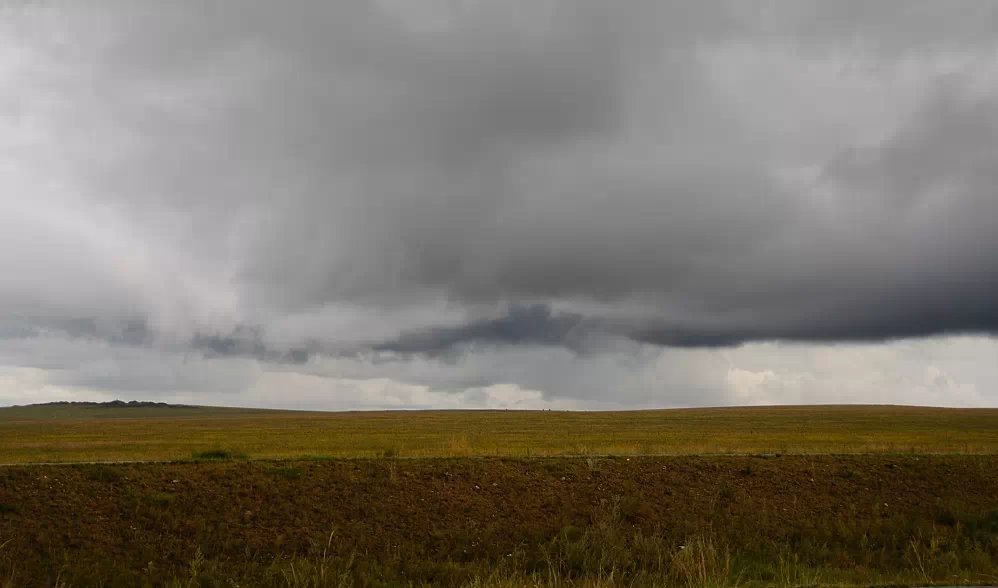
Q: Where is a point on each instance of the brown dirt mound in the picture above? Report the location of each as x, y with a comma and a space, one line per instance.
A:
129, 523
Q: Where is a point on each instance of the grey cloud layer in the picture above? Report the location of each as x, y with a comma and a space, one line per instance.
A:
279, 181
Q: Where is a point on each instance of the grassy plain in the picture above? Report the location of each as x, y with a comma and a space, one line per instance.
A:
699, 498
68, 433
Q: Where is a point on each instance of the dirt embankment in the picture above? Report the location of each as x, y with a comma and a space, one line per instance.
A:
129, 521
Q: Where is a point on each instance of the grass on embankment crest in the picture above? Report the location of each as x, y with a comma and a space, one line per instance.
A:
218, 455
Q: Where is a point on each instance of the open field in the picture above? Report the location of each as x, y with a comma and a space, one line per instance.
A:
830, 495
66, 433
641, 521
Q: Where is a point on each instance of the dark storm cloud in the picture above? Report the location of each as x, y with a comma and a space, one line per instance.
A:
520, 325
240, 343
123, 332
248, 343
281, 181
904, 249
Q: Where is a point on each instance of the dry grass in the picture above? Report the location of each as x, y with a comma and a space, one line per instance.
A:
73, 434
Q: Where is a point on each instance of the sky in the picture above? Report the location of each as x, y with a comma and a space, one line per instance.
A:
517, 204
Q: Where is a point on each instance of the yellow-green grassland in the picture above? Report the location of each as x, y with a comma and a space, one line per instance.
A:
751, 497
74, 433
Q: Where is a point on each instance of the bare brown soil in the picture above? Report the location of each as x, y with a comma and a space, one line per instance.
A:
439, 520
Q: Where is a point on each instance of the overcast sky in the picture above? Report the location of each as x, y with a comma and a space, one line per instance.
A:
532, 204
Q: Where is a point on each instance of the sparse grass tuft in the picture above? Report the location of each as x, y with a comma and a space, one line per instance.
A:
285, 472
700, 563
160, 498
104, 473
790, 573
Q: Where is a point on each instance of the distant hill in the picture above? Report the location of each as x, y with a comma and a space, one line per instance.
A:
112, 404
116, 409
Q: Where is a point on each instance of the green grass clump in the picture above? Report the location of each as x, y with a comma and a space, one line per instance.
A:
390, 452
217, 455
